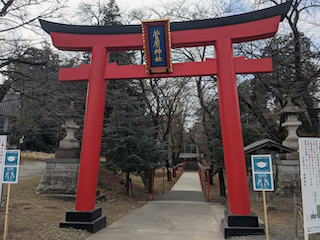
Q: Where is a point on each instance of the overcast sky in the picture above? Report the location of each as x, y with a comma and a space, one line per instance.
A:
125, 4
70, 15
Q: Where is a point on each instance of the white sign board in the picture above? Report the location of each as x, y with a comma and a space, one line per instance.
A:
309, 153
11, 166
3, 142
262, 173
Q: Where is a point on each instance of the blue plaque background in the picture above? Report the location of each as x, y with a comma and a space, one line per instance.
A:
162, 46
263, 182
9, 155
262, 159
10, 175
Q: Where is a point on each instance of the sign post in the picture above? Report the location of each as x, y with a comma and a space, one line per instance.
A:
6, 221
3, 142
262, 180
10, 175
309, 154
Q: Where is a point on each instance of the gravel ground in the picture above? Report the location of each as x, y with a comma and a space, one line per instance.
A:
30, 169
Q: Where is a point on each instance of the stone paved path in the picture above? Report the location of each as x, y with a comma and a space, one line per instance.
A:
182, 214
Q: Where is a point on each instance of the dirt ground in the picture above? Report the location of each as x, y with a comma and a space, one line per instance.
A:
280, 215
37, 217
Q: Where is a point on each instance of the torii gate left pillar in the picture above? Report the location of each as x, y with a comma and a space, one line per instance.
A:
257, 25
86, 216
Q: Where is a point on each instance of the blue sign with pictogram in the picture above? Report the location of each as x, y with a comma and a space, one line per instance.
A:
262, 173
11, 166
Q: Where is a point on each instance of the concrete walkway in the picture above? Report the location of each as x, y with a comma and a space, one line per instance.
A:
181, 214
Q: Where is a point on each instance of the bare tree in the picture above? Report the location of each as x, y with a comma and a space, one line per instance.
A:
167, 101
296, 71
17, 19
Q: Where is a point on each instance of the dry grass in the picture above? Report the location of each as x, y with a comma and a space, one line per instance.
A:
36, 156
35, 217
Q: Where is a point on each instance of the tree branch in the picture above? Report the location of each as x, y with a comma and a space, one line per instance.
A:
5, 7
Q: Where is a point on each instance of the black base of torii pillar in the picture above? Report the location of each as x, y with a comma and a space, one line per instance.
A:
92, 221
241, 225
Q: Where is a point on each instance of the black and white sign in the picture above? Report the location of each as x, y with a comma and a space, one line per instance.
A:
309, 153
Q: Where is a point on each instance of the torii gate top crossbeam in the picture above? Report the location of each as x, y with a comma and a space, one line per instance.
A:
240, 28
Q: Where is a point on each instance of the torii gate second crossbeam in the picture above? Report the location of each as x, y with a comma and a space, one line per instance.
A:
221, 33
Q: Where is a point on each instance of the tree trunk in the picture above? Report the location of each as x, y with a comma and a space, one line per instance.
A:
146, 179
211, 176
149, 183
168, 174
130, 188
221, 183
313, 114
128, 185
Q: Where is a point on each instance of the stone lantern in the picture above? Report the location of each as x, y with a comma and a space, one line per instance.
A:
69, 146
288, 174
291, 124
61, 173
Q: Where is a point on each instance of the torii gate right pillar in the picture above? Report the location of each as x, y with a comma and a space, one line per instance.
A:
239, 218
235, 165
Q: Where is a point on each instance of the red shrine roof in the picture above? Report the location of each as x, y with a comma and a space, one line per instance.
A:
280, 9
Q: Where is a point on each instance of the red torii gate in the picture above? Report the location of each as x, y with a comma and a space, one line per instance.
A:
221, 33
